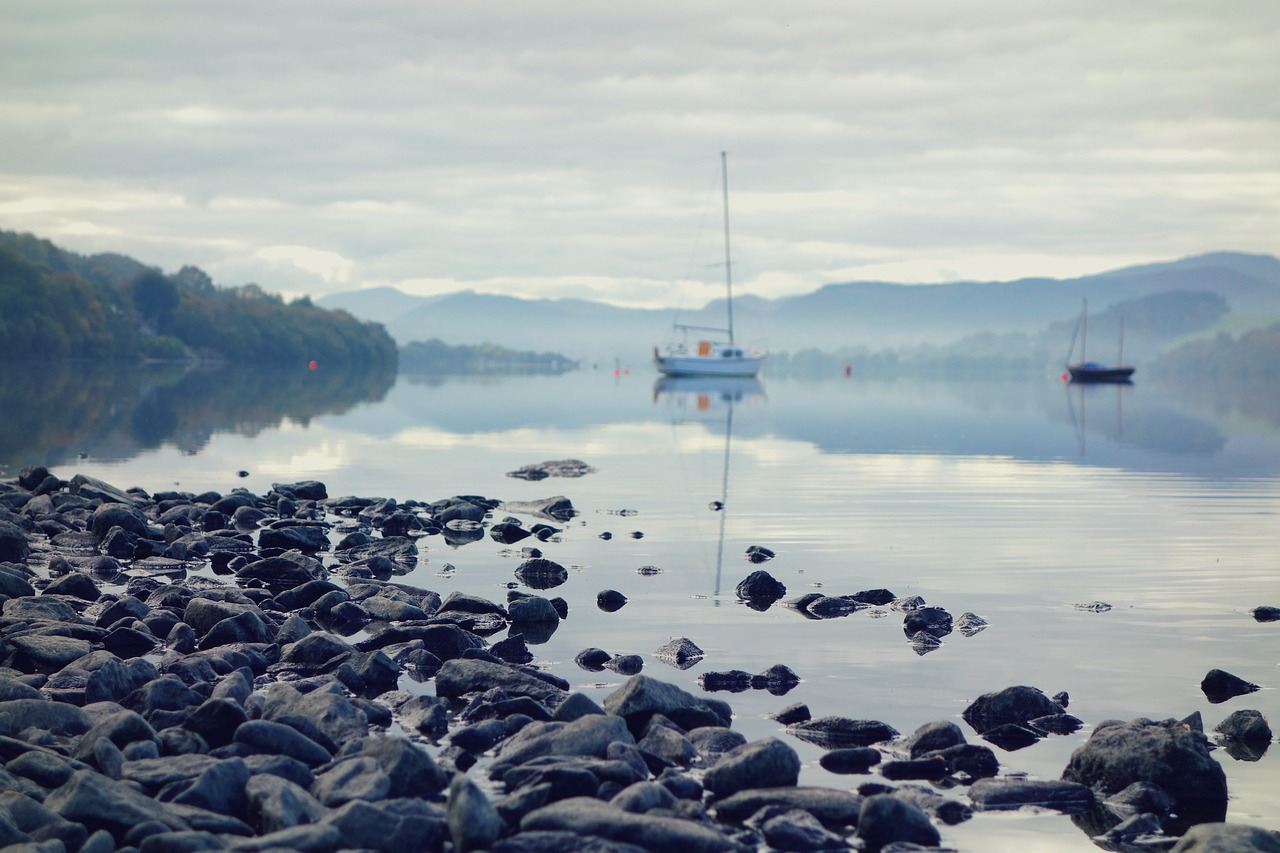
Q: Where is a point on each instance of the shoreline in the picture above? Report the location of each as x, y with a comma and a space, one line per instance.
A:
195, 651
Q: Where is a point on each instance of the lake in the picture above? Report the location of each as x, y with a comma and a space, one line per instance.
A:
1027, 502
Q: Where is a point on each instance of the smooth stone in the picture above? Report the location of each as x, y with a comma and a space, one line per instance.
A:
590, 817
885, 819
767, 763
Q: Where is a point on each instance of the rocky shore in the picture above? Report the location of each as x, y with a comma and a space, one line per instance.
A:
183, 672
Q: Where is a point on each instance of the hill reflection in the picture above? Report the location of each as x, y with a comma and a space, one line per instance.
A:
77, 410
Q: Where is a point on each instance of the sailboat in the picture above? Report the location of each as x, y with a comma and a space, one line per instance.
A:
1092, 371
709, 356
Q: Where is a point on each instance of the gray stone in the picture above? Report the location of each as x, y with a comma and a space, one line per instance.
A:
767, 763
831, 806
1165, 754
836, 732
590, 736
275, 804
411, 769
272, 738
640, 797
642, 697
460, 677
1012, 705
97, 802
1246, 726
590, 817
473, 822
885, 819
219, 788
359, 778
1228, 838
797, 830
1000, 794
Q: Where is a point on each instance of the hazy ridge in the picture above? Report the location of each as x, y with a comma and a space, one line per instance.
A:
870, 315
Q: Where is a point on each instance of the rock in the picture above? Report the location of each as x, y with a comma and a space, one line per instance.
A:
1011, 736
272, 738
970, 624
885, 819
1219, 686
463, 676
972, 760
610, 600
998, 794
835, 732
589, 817
592, 659
797, 830
856, 759
508, 533
533, 610
934, 768
933, 621
358, 778
541, 573
760, 589
797, 713
275, 804
759, 554
642, 697
767, 763
1266, 613
96, 802
474, 824
1246, 726
1166, 754
625, 664
1228, 838
411, 769
732, 681
590, 735
831, 806
932, 737
1011, 705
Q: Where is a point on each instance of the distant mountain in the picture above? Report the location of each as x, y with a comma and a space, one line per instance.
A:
874, 315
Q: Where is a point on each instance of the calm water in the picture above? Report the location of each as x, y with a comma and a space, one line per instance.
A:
1016, 501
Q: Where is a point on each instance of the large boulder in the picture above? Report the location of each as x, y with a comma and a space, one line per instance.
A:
1166, 754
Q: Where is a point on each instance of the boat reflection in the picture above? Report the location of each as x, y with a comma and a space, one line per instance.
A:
706, 394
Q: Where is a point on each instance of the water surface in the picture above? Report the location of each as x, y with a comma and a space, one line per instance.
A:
1018, 501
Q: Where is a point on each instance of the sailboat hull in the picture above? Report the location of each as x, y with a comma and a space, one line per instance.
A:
1099, 373
708, 365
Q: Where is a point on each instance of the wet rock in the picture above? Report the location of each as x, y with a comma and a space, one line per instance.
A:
272, 738
1011, 736
555, 508
474, 824
767, 763
541, 573
1228, 838
933, 767
1063, 796
533, 609
96, 802
1219, 686
759, 554
275, 804
970, 624
463, 676
589, 817
625, 664
586, 736
508, 533
854, 759
760, 589
800, 831
1246, 726
884, 820
1165, 754
610, 600
1266, 613
642, 697
972, 760
933, 621
731, 681
1011, 705
796, 713
836, 732
592, 659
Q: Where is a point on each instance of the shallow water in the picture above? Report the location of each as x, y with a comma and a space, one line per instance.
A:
1017, 501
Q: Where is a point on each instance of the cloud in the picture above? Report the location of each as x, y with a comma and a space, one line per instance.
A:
560, 148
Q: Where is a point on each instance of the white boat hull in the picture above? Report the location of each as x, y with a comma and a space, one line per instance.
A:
695, 365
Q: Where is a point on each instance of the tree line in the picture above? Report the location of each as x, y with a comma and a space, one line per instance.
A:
57, 305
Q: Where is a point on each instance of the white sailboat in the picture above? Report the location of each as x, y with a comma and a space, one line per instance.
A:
709, 356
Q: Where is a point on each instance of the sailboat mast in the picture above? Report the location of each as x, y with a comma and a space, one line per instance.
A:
1120, 353
1084, 331
728, 274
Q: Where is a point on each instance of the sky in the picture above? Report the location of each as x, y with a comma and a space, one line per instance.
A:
553, 149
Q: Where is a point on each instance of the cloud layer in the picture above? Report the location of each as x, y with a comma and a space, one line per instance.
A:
557, 149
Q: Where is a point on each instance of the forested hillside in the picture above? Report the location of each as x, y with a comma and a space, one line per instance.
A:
56, 304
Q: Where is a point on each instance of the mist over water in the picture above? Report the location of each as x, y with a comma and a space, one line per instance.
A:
1021, 501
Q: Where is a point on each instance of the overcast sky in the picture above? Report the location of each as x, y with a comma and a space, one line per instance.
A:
572, 149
